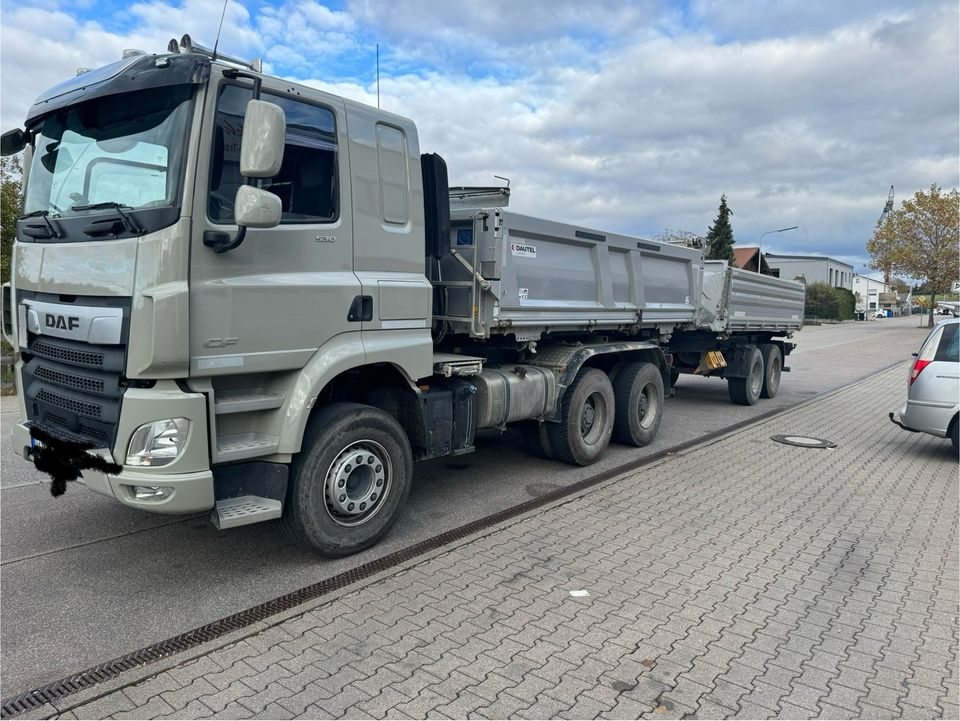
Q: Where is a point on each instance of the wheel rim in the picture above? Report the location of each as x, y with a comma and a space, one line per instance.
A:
649, 407
357, 482
774, 380
756, 378
593, 418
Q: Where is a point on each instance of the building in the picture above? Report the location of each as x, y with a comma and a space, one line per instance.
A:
746, 258
812, 268
866, 292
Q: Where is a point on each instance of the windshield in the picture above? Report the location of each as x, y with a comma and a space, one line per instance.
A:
127, 149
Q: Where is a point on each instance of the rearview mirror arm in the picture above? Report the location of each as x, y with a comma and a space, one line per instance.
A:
217, 240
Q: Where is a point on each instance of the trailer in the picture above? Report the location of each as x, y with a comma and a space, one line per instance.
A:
281, 327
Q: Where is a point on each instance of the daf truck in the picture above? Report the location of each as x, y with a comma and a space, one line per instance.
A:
236, 294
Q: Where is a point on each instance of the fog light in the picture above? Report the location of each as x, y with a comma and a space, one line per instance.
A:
152, 493
157, 443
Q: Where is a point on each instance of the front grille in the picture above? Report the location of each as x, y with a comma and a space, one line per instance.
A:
90, 410
72, 356
70, 380
71, 388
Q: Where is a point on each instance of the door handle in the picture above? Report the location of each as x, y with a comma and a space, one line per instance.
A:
361, 309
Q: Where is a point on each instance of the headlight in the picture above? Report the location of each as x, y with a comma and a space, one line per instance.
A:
157, 443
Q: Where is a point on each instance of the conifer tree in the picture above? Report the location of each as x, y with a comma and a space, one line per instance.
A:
720, 236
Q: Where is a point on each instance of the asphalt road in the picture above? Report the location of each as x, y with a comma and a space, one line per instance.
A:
85, 579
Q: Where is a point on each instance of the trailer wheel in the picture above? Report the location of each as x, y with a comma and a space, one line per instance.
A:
638, 392
772, 368
535, 438
746, 391
349, 483
586, 419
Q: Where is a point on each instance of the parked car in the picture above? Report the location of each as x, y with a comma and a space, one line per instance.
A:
878, 314
933, 387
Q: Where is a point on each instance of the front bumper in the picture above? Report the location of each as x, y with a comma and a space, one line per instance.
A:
188, 477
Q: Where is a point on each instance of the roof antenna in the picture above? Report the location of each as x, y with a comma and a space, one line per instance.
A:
378, 76
217, 41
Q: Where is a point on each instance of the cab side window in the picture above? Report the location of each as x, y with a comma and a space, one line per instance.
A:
307, 181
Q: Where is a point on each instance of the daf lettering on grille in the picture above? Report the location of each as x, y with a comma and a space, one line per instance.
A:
61, 322
88, 324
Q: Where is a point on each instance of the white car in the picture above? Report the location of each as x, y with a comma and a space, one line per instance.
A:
878, 314
933, 388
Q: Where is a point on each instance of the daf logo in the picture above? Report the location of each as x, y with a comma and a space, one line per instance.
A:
61, 322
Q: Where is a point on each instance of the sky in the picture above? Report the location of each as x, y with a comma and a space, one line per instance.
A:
631, 117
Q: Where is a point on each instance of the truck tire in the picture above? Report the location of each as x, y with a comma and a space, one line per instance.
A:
350, 480
535, 438
772, 368
586, 419
638, 394
746, 391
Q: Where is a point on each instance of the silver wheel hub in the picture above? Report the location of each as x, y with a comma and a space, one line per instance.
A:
356, 482
648, 406
588, 417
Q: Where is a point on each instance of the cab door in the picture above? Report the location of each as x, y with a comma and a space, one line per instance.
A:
389, 247
269, 304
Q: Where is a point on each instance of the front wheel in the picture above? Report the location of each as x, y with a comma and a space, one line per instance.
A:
586, 419
349, 482
772, 368
746, 391
638, 390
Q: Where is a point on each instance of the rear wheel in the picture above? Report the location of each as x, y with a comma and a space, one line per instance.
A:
746, 391
772, 368
350, 481
638, 393
955, 435
586, 419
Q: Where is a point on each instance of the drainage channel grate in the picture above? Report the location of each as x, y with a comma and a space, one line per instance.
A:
35, 698
804, 441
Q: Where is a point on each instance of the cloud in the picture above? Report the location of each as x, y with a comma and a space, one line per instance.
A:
632, 117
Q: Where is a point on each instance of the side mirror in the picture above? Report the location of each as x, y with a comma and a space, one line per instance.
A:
261, 147
12, 142
256, 207
261, 155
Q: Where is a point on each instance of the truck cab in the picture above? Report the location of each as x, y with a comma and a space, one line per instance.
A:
142, 336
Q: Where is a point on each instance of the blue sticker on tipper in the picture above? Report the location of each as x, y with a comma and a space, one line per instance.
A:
465, 236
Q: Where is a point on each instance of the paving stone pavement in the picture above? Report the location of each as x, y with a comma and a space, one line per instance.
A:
739, 579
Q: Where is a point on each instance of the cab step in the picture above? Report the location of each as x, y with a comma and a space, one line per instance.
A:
242, 511
239, 446
244, 400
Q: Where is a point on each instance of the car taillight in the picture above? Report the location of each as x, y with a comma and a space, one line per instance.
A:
918, 365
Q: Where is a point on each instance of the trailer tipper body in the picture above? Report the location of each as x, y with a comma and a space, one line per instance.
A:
239, 295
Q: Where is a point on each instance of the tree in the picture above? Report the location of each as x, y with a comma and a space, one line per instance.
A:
681, 237
823, 301
720, 235
899, 285
10, 204
922, 240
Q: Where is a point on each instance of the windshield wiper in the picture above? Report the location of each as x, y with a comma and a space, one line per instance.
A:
128, 222
54, 232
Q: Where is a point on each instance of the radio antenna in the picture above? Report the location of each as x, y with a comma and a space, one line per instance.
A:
378, 76
217, 41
